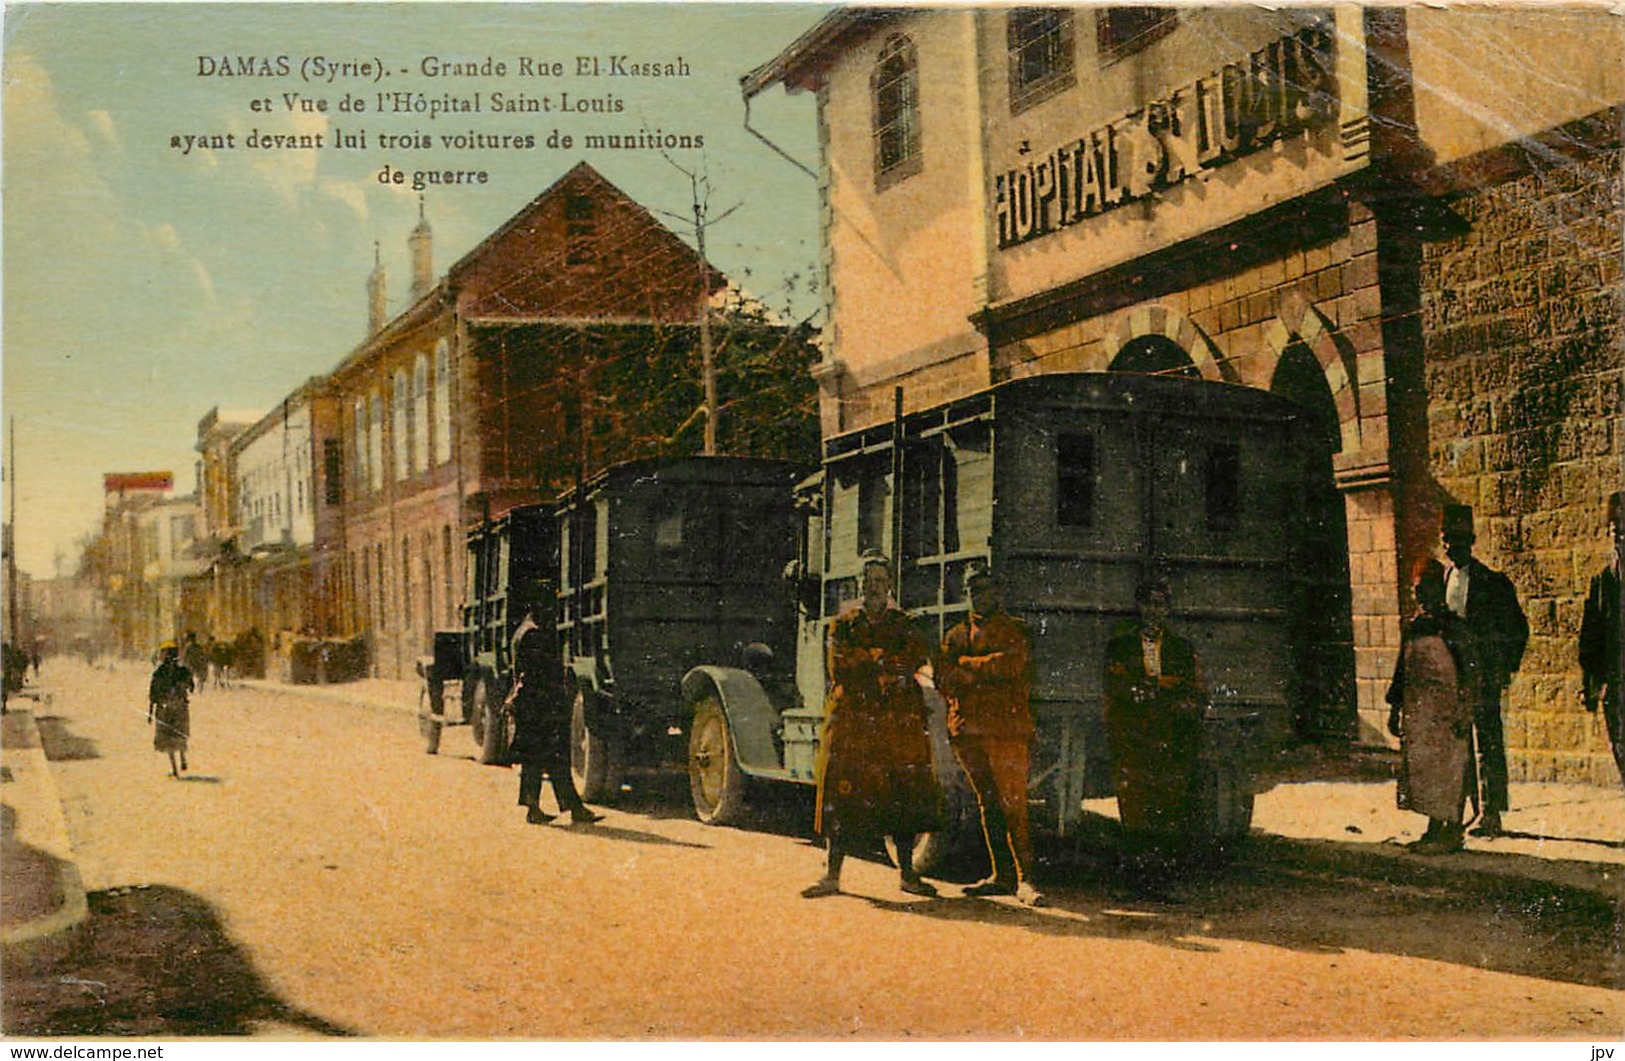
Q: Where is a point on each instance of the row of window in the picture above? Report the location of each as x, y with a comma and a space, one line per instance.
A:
421, 575
416, 444
1040, 52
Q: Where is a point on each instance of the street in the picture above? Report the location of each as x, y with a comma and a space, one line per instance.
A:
317, 874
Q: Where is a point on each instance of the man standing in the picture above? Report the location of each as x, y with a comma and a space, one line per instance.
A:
1599, 639
1486, 600
1154, 700
984, 672
541, 715
875, 776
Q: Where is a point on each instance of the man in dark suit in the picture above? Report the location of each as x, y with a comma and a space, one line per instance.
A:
1487, 601
1599, 638
541, 714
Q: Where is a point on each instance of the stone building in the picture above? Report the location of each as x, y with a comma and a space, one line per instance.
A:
1407, 221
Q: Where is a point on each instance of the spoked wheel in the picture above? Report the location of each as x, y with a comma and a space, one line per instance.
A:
591, 755
715, 781
429, 720
496, 731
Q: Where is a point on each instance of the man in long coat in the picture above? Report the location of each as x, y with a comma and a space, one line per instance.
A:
1487, 600
169, 709
541, 715
1599, 639
1154, 701
984, 672
1432, 696
875, 776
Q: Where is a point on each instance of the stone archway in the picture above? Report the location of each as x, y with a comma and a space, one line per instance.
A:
1134, 341
1324, 693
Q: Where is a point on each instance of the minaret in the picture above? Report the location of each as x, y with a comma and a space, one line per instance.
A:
377, 294
421, 242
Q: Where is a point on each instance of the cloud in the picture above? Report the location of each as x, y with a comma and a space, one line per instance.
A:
349, 193
101, 123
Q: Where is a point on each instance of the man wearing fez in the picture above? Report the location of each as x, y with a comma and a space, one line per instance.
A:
1486, 600
1154, 701
541, 713
984, 672
875, 776
1599, 638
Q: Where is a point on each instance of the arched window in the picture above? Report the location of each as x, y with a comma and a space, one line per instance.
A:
442, 402
375, 441
402, 408
420, 414
359, 437
895, 88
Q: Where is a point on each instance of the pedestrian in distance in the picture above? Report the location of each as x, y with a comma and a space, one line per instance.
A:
220, 653
195, 658
1432, 699
1599, 639
984, 672
541, 713
169, 706
1486, 599
874, 770
1155, 698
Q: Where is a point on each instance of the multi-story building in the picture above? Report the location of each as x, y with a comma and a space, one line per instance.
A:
287, 501
562, 342
1407, 221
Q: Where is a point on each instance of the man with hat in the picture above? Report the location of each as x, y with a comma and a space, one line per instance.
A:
1599, 638
1486, 600
541, 715
984, 672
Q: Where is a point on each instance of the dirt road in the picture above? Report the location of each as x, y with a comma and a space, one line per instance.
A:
317, 874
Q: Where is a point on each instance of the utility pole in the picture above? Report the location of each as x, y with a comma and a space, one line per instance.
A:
701, 220
11, 540
708, 371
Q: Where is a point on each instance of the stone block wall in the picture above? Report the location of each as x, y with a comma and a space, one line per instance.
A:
1522, 338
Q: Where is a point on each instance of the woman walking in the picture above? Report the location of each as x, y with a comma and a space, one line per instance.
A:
168, 706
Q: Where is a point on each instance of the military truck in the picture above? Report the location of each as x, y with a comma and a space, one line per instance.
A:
658, 564
506, 558
1071, 485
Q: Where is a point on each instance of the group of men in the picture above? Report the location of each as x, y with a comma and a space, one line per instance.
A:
1458, 658
875, 775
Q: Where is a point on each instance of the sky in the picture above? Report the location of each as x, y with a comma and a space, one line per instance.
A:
145, 284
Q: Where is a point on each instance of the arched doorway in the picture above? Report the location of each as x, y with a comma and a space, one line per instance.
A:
1322, 628
1155, 355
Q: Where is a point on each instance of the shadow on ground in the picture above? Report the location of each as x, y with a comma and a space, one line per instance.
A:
61, 744
30, 879
148, 961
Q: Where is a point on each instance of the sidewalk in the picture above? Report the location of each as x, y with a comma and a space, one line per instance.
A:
43, 894
1330, 813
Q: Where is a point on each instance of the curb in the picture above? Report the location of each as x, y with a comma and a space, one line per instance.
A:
326, 692
31, 768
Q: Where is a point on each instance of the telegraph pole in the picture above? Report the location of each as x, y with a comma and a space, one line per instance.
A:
11, 539
708, 371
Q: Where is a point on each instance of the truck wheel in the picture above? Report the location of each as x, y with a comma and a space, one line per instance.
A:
428, 721
496, 731
715, 781
591, 755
